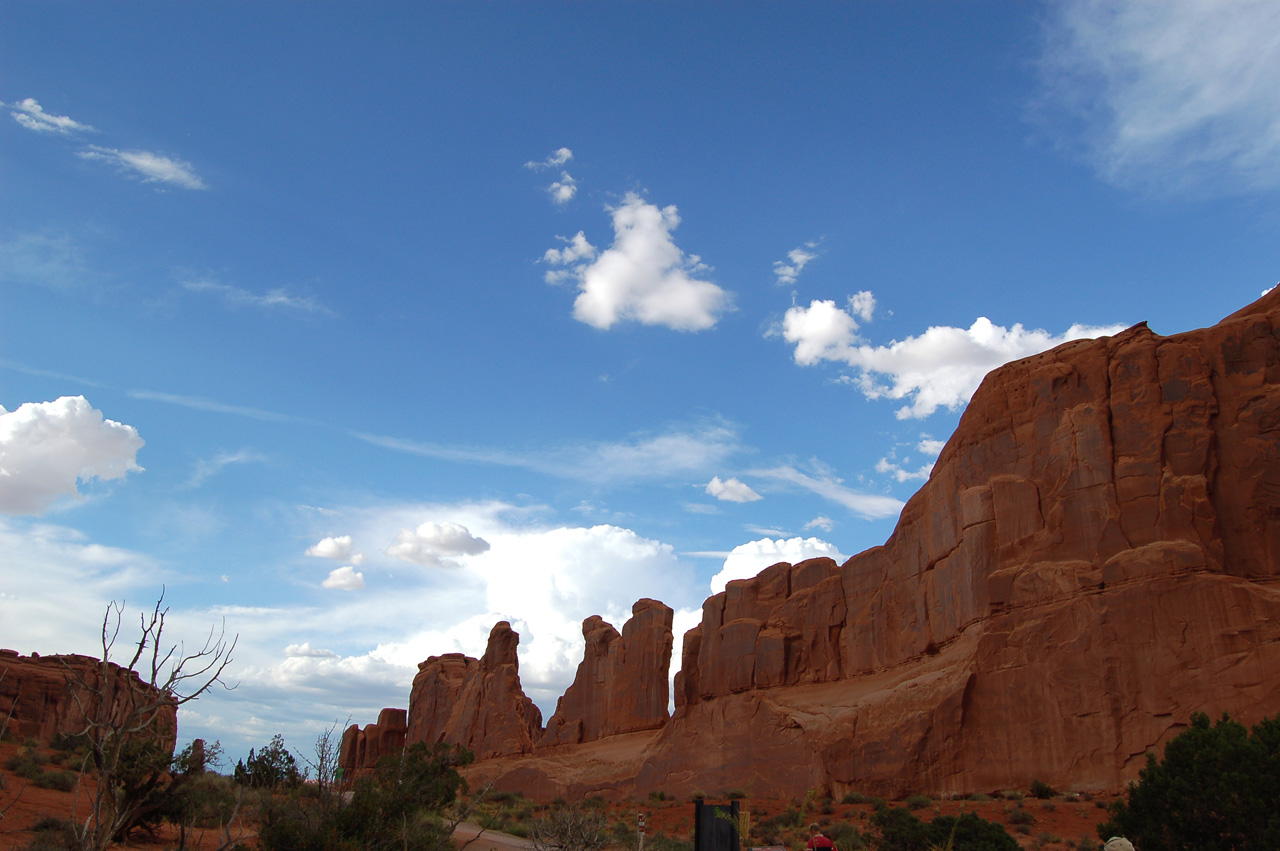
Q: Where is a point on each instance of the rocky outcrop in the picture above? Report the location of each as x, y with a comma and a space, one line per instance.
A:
621, 684
47, 696
363, 747
1094, 557
476, 703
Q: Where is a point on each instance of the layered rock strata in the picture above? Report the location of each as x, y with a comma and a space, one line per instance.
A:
621, 684
476, 703
44, 697
362, 747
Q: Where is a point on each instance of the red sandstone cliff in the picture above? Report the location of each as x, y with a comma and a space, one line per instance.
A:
40, 701
621, 684
477, 703
1095, 556
363, 747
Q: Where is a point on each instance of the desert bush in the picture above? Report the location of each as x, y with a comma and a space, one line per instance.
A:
1021, 815
734, 794
1042, 790
900, 830
918, 802
1215, 789
62, 781
657, 795
846, 837
569, 829
859, 798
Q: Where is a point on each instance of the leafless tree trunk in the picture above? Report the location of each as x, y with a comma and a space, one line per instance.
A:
125, 720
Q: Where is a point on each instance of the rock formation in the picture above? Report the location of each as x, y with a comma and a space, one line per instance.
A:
477, 703
362, 748
39, 696
1093, 558
621, 684
1096, 555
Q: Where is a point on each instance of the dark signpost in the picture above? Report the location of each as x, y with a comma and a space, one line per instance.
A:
714, 832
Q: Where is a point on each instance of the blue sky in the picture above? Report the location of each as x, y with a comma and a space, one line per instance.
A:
393, 321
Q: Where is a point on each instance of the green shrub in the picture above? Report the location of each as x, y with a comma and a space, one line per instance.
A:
1021, 815
918, 802
859, 798
734, 794
657, 795
270, 767
62, 781
52, 834
1215, 789
1042, 790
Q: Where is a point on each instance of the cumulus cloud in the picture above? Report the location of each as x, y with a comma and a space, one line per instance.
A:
643, 276
32, 116
151, 167
237, 297
1171, 93
47, 447
821, 522
827, 486
731, 490
939, 368
306, 650
344, 579
787, 271
566, 187
746, 560
340, 548
436, 544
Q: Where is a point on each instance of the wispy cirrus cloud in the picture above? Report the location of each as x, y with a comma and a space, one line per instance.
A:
1169, 94
207, 468
273, 299
828, 486
32, 116
52, 260
151, 167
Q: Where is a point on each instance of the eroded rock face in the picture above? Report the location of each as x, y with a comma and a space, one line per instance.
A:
476, 703
621, 684
363, 747
39, 696
1094, 557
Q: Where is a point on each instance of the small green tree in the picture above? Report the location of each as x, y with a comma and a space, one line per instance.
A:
1217, 788
269, 768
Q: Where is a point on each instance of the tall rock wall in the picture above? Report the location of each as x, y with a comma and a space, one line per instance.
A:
476, 703
621, 684
1093, 558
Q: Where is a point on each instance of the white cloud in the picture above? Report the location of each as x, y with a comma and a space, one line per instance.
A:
731, 490
787, 271
344, 578
31, 115
1172, 93
680, 451
939, 368
575, 249
558, 157
151, 167
211, 467
306, 650
49, 260
237, 297
643, 276
435, 544
746, 560
869, 506
563, 189
46, 447
340, 548
929, 446
821, 522
885, 465
862, 304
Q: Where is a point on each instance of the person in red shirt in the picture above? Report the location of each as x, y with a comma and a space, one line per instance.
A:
818, 842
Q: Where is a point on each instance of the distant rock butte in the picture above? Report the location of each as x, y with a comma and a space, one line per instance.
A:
38, 696
362, 748
1096, 555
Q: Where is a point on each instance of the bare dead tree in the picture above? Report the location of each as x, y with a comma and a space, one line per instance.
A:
126, 713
